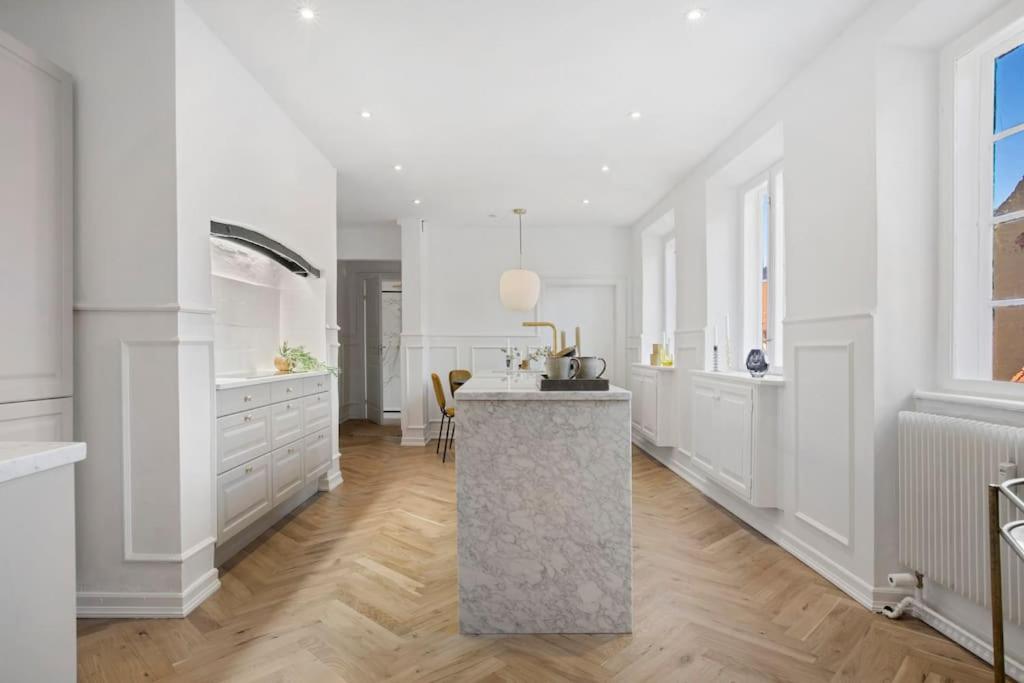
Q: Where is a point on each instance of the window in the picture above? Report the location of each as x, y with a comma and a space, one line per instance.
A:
763, 265
988, 223
670, 292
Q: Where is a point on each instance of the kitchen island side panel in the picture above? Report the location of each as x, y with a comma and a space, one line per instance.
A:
544, 516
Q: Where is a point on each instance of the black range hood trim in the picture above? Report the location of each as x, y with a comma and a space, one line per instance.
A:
259, 242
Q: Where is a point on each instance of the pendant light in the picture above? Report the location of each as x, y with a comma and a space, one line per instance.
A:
519, 288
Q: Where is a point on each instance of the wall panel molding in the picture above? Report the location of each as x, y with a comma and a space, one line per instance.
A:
830, 429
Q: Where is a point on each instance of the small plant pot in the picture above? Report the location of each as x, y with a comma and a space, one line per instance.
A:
282, 364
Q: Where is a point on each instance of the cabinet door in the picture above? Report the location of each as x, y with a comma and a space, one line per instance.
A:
243, 496
36, 199
317, 412
649, 416
637, 385
285, 422
732, 427
286, 474
704, 429
36, 421
317, 455
241, 437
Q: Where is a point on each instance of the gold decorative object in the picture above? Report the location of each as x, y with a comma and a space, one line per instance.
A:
282, 364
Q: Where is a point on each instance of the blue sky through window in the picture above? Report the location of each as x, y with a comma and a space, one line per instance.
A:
1009, 112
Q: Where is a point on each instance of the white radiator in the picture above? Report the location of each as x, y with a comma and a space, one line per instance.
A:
945, 467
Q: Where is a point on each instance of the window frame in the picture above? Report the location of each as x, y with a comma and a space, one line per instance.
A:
967, 170
750, 261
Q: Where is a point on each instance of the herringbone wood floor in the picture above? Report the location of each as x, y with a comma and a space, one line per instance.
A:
360, 585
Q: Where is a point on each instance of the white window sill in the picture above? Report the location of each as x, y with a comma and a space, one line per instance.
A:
742, 377
985, 402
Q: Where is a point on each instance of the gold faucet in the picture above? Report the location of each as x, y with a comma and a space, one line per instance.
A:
554, 332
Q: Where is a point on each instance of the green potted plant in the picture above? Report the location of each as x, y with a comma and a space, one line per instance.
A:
297, 358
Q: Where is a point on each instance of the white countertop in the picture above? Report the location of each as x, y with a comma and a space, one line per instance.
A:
232, 381
741, 377
659, 368
526, 387
22, 458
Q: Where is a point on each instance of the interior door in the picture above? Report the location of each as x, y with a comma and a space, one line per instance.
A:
391, 343
374, 348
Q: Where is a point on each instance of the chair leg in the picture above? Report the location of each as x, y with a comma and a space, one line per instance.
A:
446, 432
437, 449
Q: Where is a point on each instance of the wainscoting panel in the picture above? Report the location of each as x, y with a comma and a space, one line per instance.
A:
823, 443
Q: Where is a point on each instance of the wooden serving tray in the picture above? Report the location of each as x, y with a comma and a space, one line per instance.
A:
573, 384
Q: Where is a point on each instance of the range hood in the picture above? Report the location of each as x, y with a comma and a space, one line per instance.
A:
259, 242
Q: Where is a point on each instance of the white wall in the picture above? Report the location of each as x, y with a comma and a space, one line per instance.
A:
370, 242
862, 195
452, 316
165, 124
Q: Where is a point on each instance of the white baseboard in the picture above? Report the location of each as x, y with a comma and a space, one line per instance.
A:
970, 642
415, 436
96, 604
331, 480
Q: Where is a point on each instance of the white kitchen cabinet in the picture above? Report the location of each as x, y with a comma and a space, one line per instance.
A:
653, 404
241, 437
285, 423
36, 206
273, 440
736, 429
316, 454
286, 475
243, 495
36, 420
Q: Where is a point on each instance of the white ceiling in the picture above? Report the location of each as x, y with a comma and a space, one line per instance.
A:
493, 104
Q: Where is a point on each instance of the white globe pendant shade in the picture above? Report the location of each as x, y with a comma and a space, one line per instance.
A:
519, 289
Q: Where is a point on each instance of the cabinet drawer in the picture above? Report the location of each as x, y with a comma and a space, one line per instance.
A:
317, 455
287, 390
285, 422
286, 475
243, 495
317, 413
241, 437
317, 384
242, 398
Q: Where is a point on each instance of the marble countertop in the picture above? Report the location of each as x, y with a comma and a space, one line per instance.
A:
526, 387
232, 381
22, 458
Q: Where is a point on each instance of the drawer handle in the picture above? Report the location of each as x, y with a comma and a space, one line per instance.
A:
287, 406
320, 437
319, 385
248, 469
288, 390
247, 398
248, 418
291, 450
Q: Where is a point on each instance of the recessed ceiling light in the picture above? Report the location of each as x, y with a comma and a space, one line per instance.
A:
365, 114
307, 13
586, 201
398, 167
416, 202
696, 14
635, 115
605, 168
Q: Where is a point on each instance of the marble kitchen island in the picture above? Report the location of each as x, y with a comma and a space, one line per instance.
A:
544, 483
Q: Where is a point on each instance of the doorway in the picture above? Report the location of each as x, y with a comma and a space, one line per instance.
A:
370, 317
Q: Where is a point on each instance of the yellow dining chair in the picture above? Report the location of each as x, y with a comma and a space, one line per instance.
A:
446, 413
456, 378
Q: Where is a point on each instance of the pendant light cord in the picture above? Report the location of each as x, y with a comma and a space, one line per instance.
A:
520, 241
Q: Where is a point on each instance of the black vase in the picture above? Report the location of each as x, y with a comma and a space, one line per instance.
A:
756, 363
